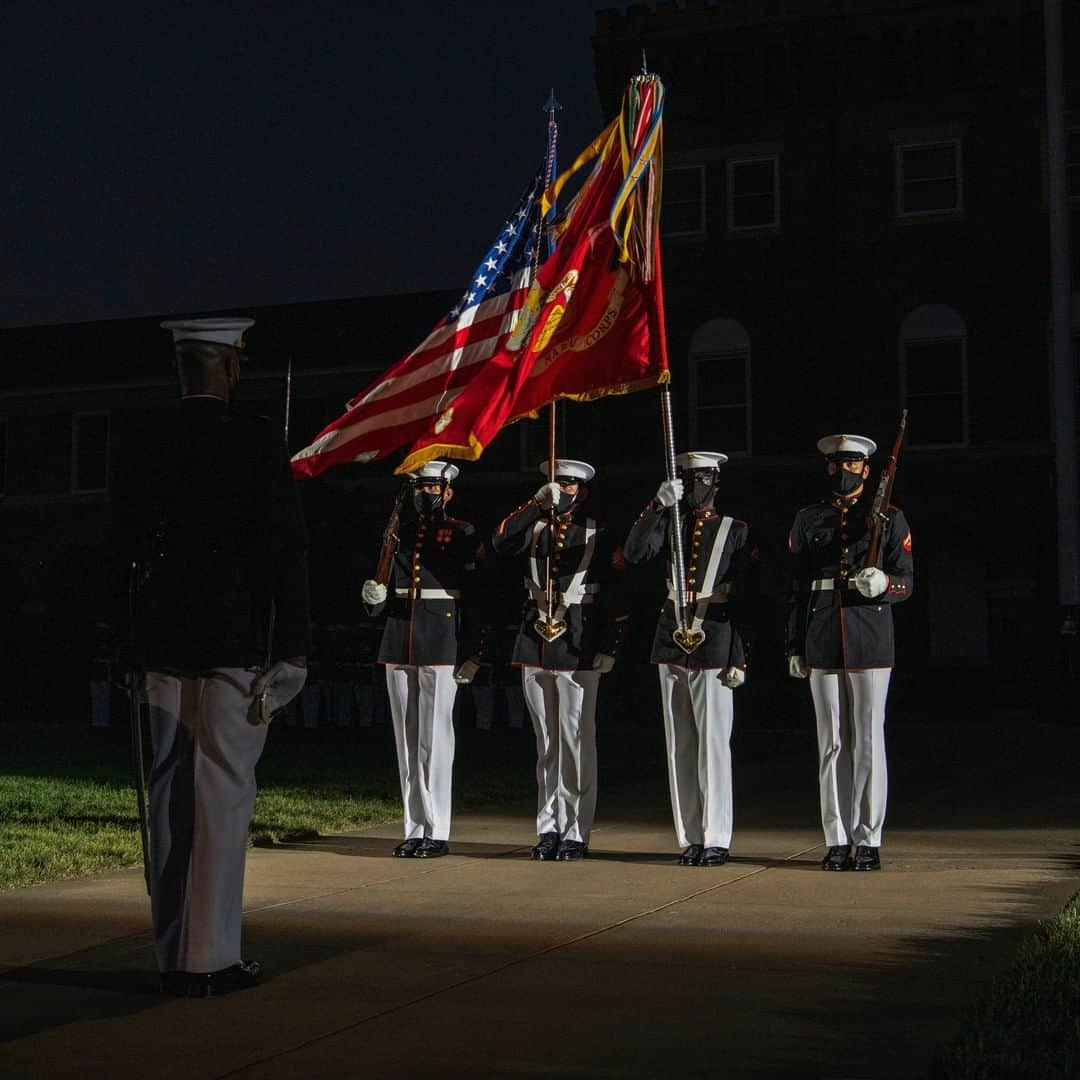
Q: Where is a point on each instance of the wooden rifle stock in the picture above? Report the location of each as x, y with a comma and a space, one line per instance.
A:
390, 537
882, 500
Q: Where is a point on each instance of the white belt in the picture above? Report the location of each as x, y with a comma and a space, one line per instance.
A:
429, 594
828, 583
588, 594
719, 595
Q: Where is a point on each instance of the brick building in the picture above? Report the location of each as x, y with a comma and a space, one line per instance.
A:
855, 221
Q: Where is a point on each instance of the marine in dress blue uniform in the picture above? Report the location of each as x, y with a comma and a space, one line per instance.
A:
206, 507
840, 634
430, 644
560, 678
696, 687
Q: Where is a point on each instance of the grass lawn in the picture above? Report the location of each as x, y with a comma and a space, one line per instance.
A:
1027, 1024
67, 801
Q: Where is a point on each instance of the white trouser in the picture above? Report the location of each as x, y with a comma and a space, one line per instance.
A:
422, 708
202, 792
562, 705
850, 711
698, 715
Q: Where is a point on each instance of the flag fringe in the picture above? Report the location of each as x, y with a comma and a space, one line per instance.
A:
475, 448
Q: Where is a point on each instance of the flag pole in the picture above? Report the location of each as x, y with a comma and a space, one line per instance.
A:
549, 628
686, 638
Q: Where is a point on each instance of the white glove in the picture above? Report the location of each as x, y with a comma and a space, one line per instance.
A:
796, 667
466, 672
669, 492
373, 593
274, 689
603, 662
548, 495
871, 582
733, 677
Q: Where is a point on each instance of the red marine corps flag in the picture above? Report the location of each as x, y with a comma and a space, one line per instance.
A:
593, 319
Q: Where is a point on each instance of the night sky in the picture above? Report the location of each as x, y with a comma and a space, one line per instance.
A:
187, 157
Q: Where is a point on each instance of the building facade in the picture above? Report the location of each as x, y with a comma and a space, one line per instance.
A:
855, 222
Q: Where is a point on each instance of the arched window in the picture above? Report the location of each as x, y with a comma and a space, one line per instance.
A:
933, 376
719, 387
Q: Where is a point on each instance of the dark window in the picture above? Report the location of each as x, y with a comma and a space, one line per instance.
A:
928, 178
722, 402
753, 200
90, 452
683, 210
934, 392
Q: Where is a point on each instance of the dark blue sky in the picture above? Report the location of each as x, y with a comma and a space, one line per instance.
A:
186, 156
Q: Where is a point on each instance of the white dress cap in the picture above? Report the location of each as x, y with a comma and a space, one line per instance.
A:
579, 470
846, 447
436, 470
700, 459
217, 331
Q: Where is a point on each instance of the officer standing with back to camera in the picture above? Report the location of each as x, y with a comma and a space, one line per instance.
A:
561, 669
840, 633
209, 518
430, 645
697, 678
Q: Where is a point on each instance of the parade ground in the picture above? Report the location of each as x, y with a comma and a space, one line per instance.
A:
484, 963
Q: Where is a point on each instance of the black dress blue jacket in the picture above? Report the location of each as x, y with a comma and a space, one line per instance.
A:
830, 623
206, 506
723, 619
437, 556
594, 624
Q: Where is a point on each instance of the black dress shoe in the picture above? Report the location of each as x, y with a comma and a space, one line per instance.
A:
867, 858
199, 984
691, 854
547, 845
571, 851
713, 856
431, 849
837, 857
407, 849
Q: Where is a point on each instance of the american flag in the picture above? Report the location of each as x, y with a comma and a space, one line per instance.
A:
399, 405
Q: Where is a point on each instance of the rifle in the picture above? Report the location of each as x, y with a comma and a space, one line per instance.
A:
879, 508
135, 680
261, 712
390, 537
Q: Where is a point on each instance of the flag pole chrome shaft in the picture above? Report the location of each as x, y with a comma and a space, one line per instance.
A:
549, 628
552, 419
683, 635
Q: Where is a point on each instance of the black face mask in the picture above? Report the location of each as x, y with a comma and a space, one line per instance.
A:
427, 505
844, 483
699, 488
566, 501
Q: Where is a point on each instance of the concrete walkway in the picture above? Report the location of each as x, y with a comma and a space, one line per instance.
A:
486, 964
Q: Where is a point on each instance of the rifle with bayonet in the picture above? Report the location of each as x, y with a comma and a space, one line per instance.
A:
391, 537
882, 499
